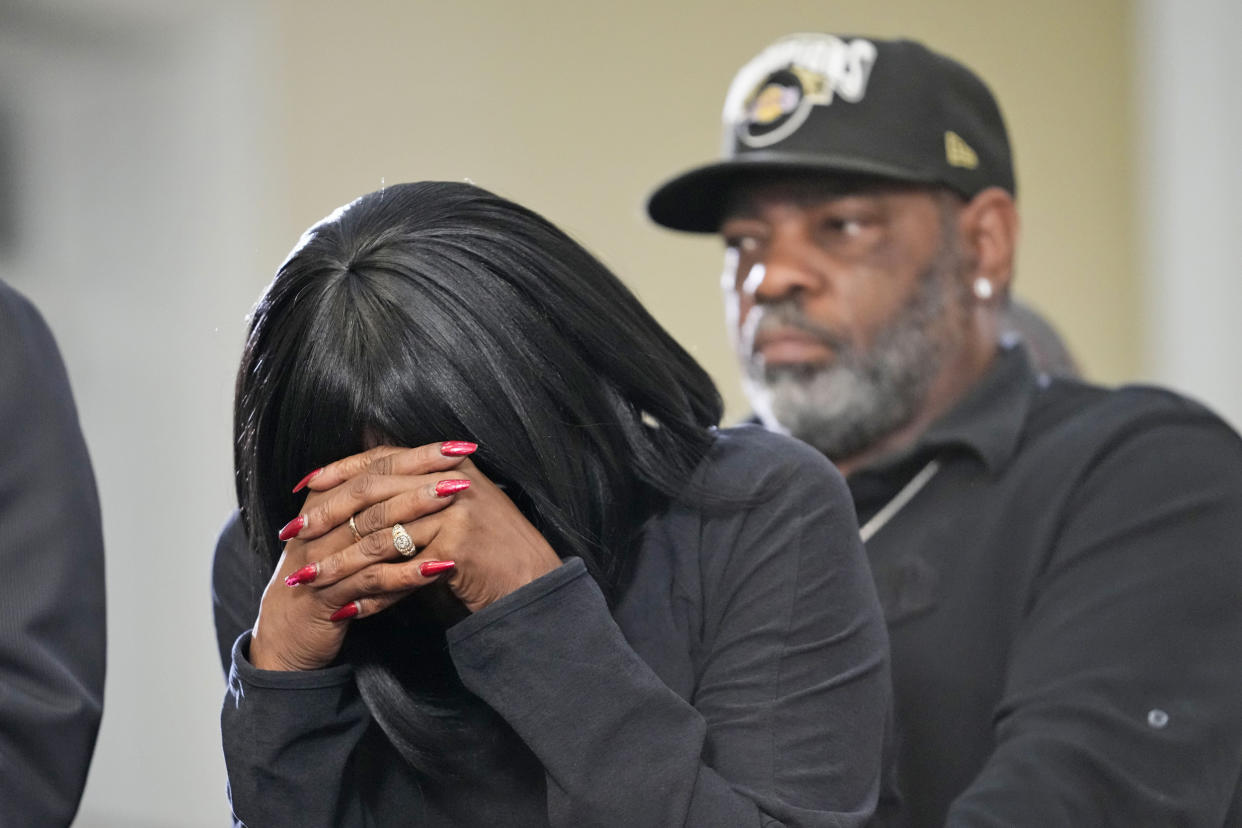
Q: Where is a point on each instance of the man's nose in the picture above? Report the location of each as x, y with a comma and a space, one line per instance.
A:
789, 270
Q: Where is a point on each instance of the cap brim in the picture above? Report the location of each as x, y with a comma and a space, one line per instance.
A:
695, 201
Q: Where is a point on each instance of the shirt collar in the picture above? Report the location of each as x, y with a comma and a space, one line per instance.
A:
988, 421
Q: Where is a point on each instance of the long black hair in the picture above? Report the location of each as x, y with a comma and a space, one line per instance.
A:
439, 311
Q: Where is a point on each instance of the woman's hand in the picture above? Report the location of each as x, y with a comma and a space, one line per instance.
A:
493, 547
300, 629
464, 528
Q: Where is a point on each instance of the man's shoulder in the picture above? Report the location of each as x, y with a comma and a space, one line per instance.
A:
1084, 407
1046, 432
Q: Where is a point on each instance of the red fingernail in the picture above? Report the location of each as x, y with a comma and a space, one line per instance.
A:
305, 480
292, 528
430, 568
304, 575
447, 487
457, 448
347, 611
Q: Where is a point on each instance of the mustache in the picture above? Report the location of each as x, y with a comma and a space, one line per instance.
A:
785, 314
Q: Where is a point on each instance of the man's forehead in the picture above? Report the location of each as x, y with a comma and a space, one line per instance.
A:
803, 189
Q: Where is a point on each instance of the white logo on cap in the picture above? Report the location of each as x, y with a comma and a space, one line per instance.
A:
772, 95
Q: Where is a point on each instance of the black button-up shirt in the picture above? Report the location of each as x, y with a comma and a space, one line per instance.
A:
1064, 600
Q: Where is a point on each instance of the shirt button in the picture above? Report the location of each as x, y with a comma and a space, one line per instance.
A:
1157, 718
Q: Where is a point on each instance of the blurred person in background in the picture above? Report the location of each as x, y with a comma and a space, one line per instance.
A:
529, 582
52, 587
1047, 350
1059, 564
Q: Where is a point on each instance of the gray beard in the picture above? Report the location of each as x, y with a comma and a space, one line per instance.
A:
864, 395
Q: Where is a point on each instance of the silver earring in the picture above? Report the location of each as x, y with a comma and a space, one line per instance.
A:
983, 289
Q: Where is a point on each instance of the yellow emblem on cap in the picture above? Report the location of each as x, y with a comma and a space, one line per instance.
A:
958, 153
770, 104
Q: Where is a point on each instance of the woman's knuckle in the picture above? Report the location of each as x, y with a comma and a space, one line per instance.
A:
371, 582
374, 546
376, 518
359, 486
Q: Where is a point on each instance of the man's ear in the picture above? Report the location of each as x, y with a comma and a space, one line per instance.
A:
989, 229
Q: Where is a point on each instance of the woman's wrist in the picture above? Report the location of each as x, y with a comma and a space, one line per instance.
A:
262, 657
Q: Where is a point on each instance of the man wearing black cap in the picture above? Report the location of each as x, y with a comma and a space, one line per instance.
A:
1060, 564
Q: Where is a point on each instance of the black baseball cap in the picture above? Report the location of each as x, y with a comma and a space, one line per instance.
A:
892, 109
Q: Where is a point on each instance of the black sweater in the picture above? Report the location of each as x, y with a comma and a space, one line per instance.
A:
742, 680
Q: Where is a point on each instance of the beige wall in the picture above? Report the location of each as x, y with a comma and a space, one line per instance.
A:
578, 109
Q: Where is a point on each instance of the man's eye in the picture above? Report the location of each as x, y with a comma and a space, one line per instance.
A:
744, 244
845, 226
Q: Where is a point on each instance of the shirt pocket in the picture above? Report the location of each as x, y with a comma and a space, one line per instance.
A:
908, 586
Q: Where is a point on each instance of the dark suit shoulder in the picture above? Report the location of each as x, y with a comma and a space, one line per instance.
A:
14, 306
31, 369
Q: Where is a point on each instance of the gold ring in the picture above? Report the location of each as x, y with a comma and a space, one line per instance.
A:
402, 541
353, 527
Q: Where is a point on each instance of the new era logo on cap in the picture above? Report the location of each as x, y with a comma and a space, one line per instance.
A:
840, 104
958, 153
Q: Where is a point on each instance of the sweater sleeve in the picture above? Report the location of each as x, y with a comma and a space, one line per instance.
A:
786, 722
52, 618
289, 740
1122, 704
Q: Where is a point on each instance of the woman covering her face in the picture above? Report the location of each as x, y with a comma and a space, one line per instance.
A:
528, 581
